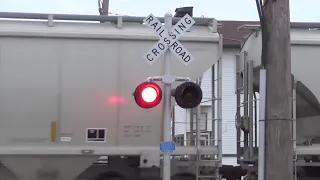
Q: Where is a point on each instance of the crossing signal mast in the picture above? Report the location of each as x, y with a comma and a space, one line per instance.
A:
149, 94
188, 94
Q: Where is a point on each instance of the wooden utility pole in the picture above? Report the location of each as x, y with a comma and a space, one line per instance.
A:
276, 58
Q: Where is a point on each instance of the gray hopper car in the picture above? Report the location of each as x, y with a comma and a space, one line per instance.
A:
66, 97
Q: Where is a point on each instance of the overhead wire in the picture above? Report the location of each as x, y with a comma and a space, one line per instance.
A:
100, 5
260, 10
263, 29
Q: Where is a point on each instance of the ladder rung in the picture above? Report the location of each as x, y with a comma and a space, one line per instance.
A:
216, 99
197, 163
207, 163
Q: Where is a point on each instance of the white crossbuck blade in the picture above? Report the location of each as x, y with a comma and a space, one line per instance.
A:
169, 39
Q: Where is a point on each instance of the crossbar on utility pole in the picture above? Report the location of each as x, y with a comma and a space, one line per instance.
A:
276, 58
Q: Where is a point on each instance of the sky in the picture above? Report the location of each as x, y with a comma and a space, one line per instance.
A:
301, 10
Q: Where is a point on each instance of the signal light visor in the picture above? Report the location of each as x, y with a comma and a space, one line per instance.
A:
188, 95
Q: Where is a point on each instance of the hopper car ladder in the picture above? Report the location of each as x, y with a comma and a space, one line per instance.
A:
212, 161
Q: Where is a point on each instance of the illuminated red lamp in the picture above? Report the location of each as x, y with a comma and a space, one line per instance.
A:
147, 95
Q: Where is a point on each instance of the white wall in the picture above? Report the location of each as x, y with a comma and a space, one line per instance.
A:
182, 116
228, 107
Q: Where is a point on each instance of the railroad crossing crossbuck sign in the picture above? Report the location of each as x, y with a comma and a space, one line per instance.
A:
169, 39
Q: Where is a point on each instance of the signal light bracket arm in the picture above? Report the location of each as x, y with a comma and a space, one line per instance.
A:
185, 79
154, 78
169, 79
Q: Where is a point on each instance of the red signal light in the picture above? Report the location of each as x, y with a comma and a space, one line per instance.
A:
147, 95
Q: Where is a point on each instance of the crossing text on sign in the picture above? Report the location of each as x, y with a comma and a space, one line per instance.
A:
162, 45
169, 39
177, 30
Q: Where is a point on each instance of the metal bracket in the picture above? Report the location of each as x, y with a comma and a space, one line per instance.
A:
154, 78
186, 79
168, 79
120, 22
50, 20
